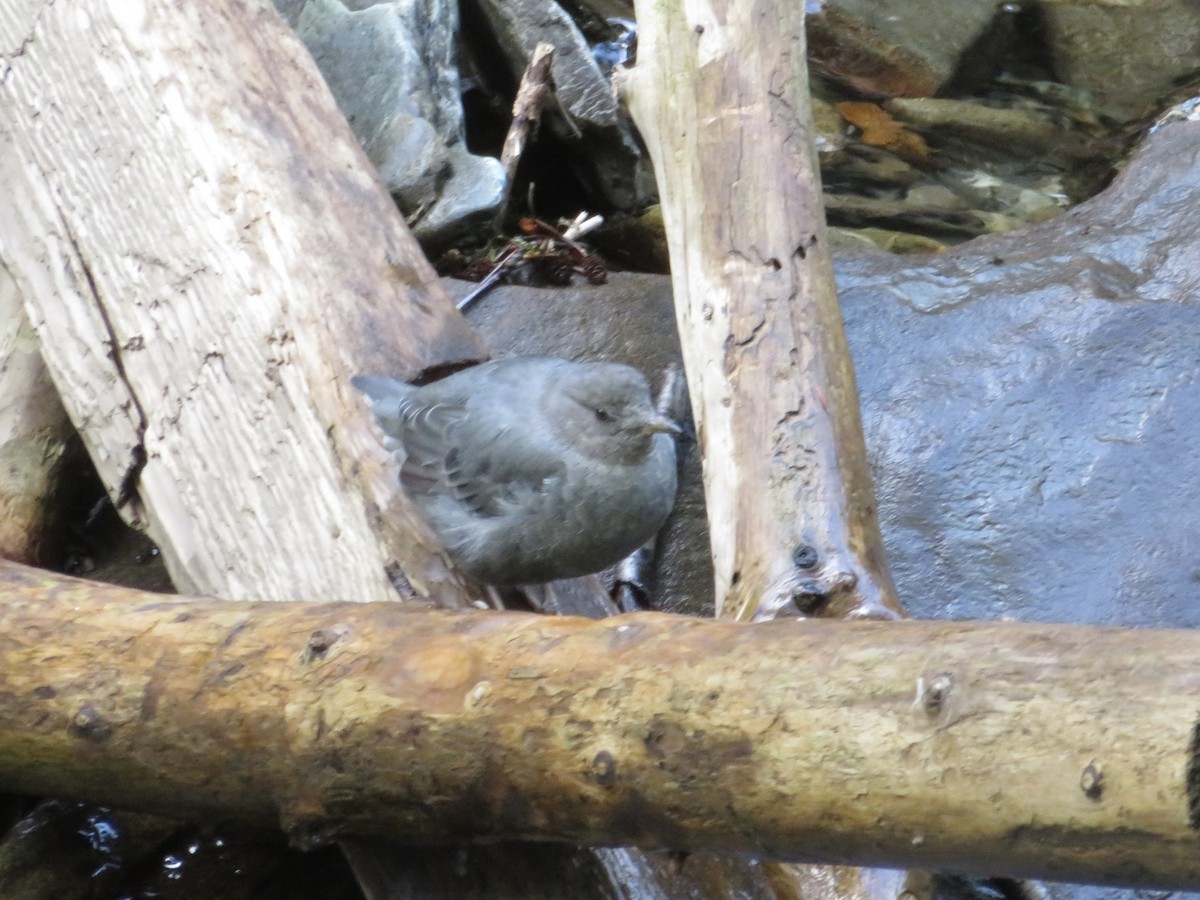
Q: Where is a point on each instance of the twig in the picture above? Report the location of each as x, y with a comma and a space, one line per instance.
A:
527, 112
489, 280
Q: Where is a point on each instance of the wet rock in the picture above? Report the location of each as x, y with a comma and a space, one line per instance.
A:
592, 15
1034, 200
866, 168
1128, 55
950, 220
849, 240
1031, 403
635, 242
888, 49
1021, 133
830, 132
391, 69
982, 166
594, 132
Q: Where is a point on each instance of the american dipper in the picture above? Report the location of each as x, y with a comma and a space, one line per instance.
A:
531, 468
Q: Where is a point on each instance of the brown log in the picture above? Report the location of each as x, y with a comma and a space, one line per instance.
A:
720, 94
1063, 752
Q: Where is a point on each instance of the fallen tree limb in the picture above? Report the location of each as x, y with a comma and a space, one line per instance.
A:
723, 105
1063, 752
720, 96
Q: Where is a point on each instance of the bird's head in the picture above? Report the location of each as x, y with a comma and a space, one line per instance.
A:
605, 411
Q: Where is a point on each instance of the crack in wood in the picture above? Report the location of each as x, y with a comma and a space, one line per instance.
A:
29, 38
127, 491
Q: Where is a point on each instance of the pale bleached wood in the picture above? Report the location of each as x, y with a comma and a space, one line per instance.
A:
720, 94
1063, 752
207, 257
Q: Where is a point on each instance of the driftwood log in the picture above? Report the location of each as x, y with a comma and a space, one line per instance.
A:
35, 435
720, 94
1063, 752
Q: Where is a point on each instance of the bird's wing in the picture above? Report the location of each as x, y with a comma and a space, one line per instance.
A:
479, 458
390, 401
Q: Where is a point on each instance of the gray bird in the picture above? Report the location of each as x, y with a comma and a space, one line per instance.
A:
532, 468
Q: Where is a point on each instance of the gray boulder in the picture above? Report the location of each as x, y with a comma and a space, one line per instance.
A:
391, 68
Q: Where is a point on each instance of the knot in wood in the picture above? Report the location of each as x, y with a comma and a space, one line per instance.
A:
320, 642
90, 725
809, 596
937, 692
1091, 782
604, 768
805, 557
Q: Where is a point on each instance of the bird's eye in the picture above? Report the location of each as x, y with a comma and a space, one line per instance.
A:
603, 415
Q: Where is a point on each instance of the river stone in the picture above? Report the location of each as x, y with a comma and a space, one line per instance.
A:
1129, 55
390, 66
889, 49
1032, 407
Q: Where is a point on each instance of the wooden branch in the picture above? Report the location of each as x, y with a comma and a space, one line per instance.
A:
720, 94
1063, 752
535, 84
207, 257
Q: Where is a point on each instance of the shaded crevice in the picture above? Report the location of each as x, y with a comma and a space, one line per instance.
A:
1193, 778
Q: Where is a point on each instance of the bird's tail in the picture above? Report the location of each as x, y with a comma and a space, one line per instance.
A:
381, 387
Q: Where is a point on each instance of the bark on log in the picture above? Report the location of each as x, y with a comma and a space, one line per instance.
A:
720, 94
1062, 752
207, 256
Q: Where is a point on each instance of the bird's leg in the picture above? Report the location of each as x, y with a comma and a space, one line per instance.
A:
631, 588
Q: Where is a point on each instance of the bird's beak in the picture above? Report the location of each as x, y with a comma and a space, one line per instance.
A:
661, 425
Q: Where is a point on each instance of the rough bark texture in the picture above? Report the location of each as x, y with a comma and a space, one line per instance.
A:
207, 256
720, 94
1063, 752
